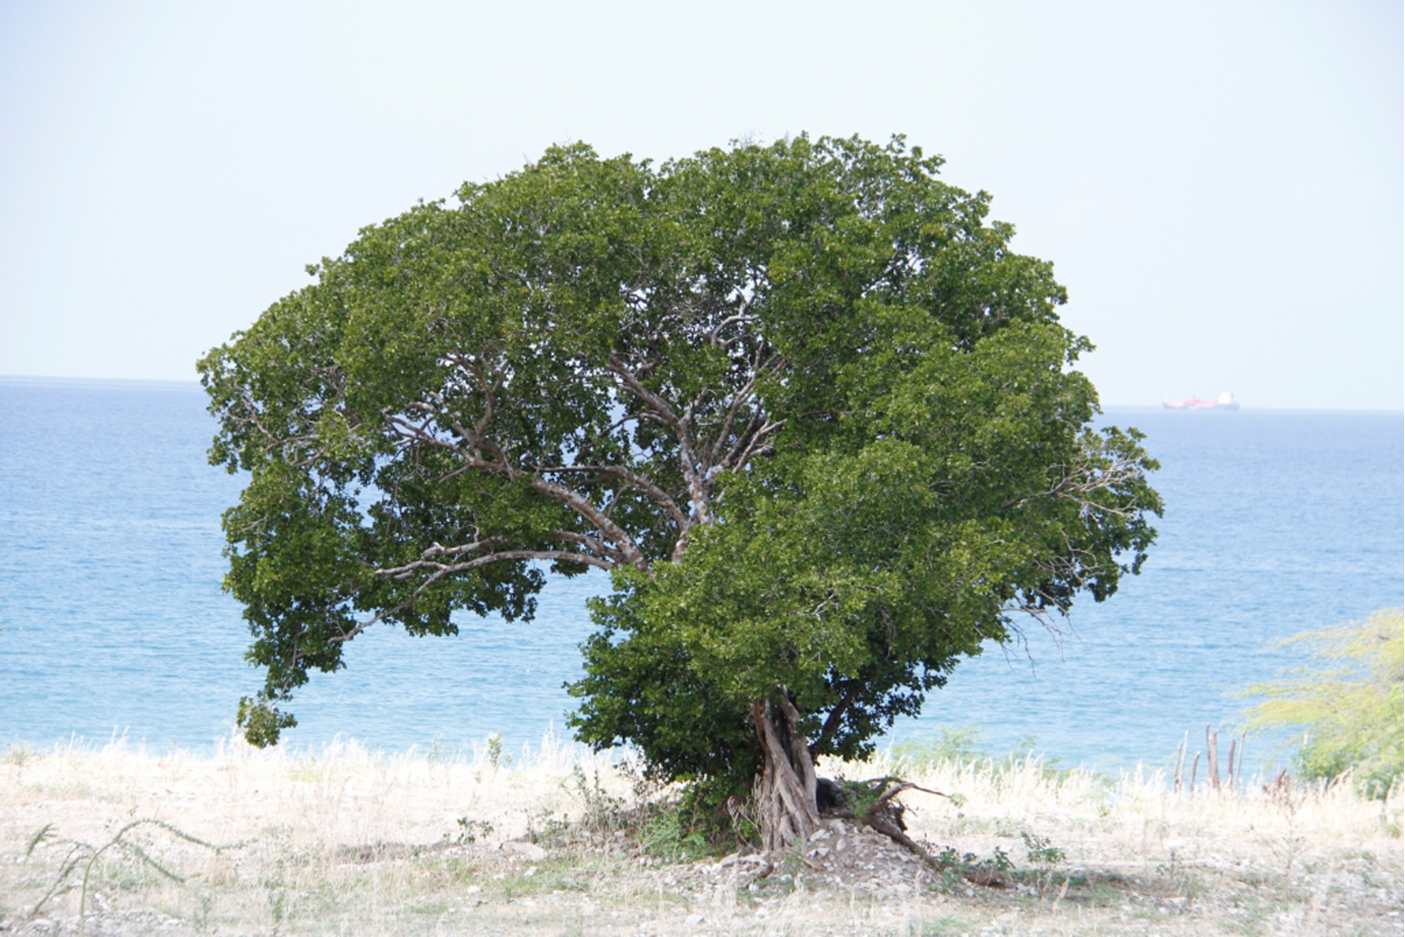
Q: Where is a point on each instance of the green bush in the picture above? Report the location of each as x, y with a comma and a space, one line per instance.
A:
1349, 709
956, 744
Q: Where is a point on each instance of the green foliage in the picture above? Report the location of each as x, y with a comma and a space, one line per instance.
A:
669, 836
1350, 708
961, 746
17, 754
496, 756
602, 812
957, 866
954, 744
1041, 852
724, 820
470, 831
803, 400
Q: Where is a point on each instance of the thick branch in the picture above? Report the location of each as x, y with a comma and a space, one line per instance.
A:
836, 716
446, 569
634, 480
568, 497
590, 543
697, 490
577, 502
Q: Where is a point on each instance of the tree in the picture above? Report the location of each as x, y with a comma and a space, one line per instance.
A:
1352, 712
802, 399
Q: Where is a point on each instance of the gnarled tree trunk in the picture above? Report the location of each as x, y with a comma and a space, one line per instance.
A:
787, 807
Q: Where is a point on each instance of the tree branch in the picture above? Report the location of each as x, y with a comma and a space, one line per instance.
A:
577, 502
836, 715
697, 489
634, 480
574, 500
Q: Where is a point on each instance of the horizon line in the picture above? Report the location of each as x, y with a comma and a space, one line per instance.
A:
165, 383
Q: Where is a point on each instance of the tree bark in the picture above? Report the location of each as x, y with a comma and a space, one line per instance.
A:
786, 807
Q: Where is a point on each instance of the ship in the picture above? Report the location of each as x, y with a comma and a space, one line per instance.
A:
1225, 401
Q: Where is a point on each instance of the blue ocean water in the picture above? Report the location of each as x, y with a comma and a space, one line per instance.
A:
112, 620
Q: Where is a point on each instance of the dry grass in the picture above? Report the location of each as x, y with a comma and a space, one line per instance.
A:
1138, 859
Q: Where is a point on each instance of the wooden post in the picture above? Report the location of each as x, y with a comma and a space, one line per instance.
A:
1195, 764
1212, 758
1180, 763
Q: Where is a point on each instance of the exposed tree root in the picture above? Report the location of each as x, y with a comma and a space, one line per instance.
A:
837, 800
791, 800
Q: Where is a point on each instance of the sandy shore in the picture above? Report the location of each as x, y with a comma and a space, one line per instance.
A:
347, 842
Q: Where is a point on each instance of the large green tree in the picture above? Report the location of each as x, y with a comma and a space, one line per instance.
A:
803, 400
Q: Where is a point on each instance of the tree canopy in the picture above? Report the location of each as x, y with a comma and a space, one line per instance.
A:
803, 399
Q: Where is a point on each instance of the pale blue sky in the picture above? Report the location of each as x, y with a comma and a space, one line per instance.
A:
1218, 184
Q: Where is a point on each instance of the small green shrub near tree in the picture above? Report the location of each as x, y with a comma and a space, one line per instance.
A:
1348, 709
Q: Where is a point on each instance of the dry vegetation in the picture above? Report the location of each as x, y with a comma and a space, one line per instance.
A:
348, 842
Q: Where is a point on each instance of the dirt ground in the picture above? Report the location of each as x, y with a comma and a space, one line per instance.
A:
347, 842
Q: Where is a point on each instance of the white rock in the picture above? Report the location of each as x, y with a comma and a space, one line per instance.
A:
530, 851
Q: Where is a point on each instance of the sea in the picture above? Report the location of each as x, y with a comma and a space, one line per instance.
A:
113, 623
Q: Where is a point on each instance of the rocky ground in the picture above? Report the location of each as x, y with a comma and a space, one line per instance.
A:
1072, 856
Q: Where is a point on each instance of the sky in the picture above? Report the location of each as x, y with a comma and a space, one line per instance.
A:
1219, 185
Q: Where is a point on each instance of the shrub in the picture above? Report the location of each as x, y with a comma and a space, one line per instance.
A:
1349, 708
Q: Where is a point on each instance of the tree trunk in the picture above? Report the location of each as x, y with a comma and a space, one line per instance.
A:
786, 807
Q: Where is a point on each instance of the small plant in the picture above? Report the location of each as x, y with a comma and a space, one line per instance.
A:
546, 825
1174, 869
1046, 858
17, 754
958, 745
471, 831
201, 917
1041, 852
668, 837
84, 859
496, 756
277, 888
957, 866
603, 812
1293, 840
951, 859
